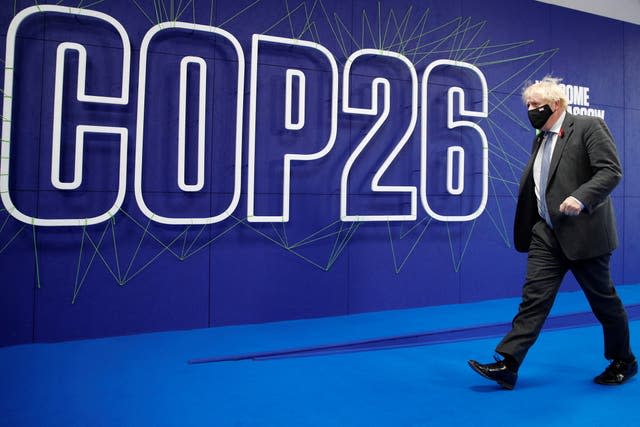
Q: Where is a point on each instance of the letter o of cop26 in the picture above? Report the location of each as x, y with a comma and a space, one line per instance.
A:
123, 99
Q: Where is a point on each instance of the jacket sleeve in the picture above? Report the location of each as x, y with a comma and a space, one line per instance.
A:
606, 171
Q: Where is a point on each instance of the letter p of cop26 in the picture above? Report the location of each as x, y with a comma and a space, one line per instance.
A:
455, 154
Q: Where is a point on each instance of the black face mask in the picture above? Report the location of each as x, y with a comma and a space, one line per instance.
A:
539, 116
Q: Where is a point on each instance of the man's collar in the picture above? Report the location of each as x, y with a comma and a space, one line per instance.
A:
558, 124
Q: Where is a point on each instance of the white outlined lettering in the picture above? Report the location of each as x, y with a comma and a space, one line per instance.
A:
295, 80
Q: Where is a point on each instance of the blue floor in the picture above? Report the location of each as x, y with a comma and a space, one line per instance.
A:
146, 380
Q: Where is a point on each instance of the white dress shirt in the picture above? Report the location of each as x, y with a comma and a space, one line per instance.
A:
548, 139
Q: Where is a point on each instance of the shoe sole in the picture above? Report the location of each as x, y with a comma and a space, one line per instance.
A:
614, 383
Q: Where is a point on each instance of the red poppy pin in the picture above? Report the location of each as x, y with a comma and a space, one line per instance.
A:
561, 133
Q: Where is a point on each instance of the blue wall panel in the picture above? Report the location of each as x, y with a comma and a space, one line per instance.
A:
584, 54
632, 153
631, 228
134, 272
502, 274
387, 268
19, 279
631, 66
527, 24
631, 231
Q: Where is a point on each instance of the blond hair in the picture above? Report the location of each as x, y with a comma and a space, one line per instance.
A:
548, 89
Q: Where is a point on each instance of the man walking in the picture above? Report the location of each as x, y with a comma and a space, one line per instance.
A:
565, 221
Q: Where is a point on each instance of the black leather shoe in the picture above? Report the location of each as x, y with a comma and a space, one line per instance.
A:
617, 372
498, 372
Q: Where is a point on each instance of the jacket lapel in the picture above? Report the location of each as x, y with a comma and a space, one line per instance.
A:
561, 142
537, 142
528, 169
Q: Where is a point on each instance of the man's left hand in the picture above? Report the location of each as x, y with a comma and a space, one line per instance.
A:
571, 206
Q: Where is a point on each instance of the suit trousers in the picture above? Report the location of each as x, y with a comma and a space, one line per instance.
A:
546, 267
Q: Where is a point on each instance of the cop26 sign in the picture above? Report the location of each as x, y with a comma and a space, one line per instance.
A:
300, 112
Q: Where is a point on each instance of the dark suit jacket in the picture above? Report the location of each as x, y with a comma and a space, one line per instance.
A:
584, 165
